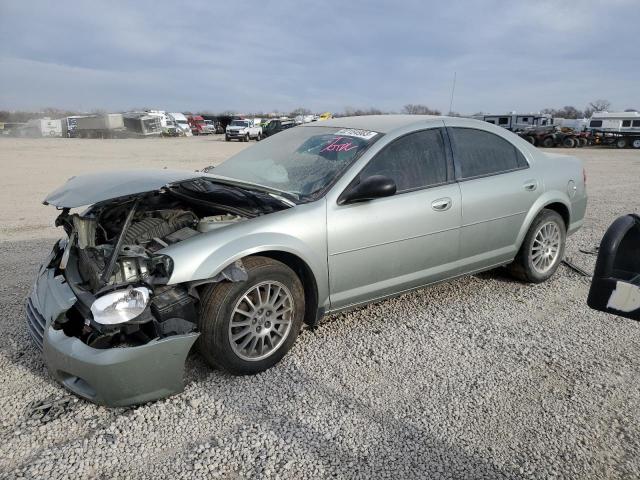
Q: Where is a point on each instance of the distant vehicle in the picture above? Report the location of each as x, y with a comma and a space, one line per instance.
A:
43, 127
553, 136
517, 121
181, 122
69, 125
620, 129
243, 130
275, 126
110, 125
168, 125
325, 116
197, 124
142, 124
210, 127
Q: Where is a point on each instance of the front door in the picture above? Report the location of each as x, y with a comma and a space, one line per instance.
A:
387, 245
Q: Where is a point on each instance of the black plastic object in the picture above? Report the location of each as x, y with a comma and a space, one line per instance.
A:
615, 287
375, 186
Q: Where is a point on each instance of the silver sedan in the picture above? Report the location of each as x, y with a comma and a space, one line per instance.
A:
314, 220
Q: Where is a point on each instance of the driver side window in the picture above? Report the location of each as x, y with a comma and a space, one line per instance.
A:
414, 161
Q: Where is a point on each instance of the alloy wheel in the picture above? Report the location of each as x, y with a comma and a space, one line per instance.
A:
261, 321
546, 247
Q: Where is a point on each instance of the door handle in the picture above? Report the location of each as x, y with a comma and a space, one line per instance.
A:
441, 204
530, 185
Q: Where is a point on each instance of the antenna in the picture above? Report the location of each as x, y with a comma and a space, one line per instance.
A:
453, 88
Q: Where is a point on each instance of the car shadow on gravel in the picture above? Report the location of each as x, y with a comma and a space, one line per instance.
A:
416, 453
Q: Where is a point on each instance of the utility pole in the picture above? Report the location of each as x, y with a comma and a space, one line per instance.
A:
453, 88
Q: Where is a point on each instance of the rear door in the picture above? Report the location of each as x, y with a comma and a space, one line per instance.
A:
386, 245
498, 189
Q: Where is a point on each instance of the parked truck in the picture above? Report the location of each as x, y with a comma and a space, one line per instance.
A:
243, 130
198, 125
181, 122
141, 124
110, 125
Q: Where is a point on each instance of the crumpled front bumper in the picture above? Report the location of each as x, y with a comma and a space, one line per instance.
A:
113, 377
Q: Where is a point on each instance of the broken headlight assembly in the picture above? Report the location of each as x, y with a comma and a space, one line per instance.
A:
120, 306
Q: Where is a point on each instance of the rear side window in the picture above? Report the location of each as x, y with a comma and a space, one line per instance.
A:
626, 123
479, 153
414, 161
636, 123
595, 123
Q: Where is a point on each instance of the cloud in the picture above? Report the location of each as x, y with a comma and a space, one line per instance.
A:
265, 55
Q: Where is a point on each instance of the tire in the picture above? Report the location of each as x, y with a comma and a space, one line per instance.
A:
246, 138
258, 137
530, 139
635, 143
219, 301
524, 266
621, 143
226, 138
568, 142
548, 142
583, 142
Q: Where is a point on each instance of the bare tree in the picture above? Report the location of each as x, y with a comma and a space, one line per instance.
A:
417, 109
300, 111
356, 112
597, 106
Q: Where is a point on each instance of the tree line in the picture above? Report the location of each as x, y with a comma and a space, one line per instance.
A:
567, 111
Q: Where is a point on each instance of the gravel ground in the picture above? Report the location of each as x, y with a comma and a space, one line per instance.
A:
483, 377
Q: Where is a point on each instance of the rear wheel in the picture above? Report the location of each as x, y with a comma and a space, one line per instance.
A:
542, 249
247, 327
568, 142
621, 143
530, 139
548, 142
583, 142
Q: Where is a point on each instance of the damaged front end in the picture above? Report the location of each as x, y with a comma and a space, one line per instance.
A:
111, 328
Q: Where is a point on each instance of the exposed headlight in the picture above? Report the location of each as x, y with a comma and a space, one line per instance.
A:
121, 306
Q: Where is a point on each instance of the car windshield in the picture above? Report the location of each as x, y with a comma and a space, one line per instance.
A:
239, 123
300, 161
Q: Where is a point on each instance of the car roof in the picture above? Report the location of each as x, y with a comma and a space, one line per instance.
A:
376, 123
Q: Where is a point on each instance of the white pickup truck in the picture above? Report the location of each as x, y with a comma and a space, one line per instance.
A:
243, 130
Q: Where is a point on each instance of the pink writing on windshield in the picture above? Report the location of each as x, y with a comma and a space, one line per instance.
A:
336, 146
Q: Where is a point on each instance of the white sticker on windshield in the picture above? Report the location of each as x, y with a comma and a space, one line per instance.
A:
355, 132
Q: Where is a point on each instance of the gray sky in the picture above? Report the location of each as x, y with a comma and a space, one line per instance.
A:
325, 55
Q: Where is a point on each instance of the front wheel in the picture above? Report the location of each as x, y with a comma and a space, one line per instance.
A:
247, 327
636, 143
542, 249
621, 143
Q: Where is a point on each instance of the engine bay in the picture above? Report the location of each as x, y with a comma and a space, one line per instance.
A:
113, 251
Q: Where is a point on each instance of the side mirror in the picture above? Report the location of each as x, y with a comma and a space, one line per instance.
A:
615, 287
375, 186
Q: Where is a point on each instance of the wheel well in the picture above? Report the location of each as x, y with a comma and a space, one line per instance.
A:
562, 210
307, 278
